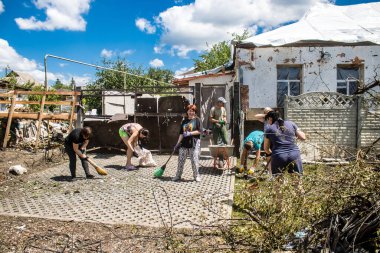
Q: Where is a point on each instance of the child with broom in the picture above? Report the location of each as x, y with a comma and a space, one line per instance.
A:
131, 134
189, 143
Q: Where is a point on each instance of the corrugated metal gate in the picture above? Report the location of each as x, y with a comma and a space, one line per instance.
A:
161, 115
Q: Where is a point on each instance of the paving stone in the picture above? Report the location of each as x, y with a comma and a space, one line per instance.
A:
127, 197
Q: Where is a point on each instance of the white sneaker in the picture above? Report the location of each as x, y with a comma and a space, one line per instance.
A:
175, 179
198, 179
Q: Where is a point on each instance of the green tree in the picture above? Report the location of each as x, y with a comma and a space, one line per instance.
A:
129, 78
72, 84
36, 108
162, 75
218, 55
58, 85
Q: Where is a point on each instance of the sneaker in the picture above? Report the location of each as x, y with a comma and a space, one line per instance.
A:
198, 179
72, 179
89, 176
130, 168
175, 179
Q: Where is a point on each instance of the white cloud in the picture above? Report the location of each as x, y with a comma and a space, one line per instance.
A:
1, 7
62, 65
127, 52
60, 14
156, 63
79, 80
193, 26
82, 80
182, 70
10, 58
106, 53
145, 26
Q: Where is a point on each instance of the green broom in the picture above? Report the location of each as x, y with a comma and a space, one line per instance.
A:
160, 170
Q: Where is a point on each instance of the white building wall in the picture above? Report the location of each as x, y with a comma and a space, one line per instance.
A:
259, 68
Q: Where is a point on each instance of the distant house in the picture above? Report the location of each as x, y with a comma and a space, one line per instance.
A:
16, 81
331, 49
21, 78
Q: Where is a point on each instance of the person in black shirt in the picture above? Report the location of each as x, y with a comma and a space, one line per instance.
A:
75, 145
189, 142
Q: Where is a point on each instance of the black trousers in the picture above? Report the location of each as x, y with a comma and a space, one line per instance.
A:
73, 160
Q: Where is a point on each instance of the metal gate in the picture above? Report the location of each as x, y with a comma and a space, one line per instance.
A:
160, 109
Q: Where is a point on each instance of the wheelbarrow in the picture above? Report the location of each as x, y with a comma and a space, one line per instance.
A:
222, 150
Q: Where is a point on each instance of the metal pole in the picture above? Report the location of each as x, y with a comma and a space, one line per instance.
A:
125, 89
95, 66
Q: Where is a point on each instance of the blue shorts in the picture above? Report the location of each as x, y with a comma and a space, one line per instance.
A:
290, 161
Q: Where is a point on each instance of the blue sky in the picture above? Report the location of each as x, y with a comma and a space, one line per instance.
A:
160, 33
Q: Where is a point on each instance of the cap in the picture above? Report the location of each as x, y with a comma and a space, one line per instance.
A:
221, 99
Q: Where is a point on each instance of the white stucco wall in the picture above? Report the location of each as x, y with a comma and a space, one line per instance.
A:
120, 104
259, 67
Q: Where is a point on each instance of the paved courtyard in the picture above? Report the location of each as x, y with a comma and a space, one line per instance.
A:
126, 197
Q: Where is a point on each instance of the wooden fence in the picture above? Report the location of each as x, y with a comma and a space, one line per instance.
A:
11, 99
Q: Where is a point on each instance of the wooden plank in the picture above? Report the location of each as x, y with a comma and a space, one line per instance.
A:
67, 93
38, 102
6, 94
251, 112
42, 105
10, 114
72, 113
25, 115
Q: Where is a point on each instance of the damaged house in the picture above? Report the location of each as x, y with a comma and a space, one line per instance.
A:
310, 71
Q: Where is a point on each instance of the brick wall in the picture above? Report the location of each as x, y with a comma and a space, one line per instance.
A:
332, 125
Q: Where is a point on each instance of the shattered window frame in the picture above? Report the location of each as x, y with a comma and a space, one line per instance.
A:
291, 77
348, 79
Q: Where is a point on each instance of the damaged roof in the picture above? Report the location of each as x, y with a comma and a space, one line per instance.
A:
326, 23
220, 70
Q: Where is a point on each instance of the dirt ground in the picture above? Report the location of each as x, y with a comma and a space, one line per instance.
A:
26, 234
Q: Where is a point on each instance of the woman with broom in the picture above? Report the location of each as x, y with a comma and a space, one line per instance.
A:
132, 134
189, 143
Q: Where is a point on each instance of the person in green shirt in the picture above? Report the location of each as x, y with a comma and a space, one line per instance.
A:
218, 118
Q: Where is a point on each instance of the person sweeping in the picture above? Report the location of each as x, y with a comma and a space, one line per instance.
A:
189, 143
132, 134
253, 141
75, 145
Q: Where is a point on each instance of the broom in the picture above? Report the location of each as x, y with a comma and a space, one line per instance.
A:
160, 170
98, 169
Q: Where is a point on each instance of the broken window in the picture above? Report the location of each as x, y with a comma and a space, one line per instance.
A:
288, 83
347, 79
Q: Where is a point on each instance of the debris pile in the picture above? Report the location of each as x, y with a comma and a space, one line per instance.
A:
23, 133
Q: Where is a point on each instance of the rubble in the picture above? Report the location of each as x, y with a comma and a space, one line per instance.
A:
24, 132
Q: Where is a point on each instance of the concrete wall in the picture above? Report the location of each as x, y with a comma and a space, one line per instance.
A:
259, 68
336, 125
369, 122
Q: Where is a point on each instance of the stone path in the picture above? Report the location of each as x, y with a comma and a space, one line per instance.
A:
124, 197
